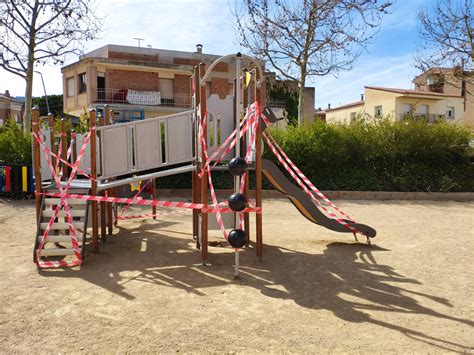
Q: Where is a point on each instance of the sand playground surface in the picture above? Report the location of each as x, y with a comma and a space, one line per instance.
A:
314, 290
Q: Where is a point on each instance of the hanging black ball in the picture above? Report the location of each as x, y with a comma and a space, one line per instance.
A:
237, 166
237, 238
237, 202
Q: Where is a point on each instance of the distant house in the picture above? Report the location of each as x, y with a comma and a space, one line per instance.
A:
10, 108
398, 103
450, 81
439, 94
138, 83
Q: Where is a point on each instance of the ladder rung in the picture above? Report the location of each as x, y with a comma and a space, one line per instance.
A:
62, 213
61, 225
60, 239
57, 252
70, 201
71, 190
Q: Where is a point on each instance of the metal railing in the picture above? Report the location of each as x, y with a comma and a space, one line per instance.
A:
119, 96
428, 117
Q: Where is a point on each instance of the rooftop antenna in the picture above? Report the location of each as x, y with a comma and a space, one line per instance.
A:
139, 40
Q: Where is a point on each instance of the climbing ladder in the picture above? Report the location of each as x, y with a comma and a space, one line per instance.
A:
58, 245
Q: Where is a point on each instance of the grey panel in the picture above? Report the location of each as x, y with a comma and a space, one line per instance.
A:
116, 146
179, 138
221, 119
45, 170
85, 163
147, 145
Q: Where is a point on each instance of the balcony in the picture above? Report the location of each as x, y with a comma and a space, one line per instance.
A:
141, 98
428, 117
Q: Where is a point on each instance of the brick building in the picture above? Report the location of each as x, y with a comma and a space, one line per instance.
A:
10, 108
138, 82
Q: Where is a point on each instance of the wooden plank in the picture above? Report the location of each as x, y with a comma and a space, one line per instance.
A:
70, 201
59, 239
61, 225
95, 216
204, 188
57, 252
36, 162
62, 213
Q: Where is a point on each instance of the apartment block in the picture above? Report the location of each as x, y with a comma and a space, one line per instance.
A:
9, 108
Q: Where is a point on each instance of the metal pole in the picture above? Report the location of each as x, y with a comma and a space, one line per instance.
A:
44, 89
238, 112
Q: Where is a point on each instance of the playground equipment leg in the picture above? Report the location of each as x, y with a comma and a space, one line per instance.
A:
95, 224
153, 193
204, 192
37, 166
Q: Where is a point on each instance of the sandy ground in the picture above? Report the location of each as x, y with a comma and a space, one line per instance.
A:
314, 291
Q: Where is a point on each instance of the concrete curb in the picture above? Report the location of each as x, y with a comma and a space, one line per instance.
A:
347, 195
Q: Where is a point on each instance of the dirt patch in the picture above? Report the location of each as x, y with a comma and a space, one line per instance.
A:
315, 290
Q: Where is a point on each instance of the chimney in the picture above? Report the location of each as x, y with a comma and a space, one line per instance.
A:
329, 106
7, 93
361, 97
199, 48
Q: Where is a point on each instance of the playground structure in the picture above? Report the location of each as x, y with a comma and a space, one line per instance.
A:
83, 177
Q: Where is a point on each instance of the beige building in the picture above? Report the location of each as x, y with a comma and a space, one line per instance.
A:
397, 103
437, 96
450, 81
138, 82
9, 108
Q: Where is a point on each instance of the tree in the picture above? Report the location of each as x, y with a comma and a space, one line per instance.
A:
447, 31
41, 31
55, 105
304, 38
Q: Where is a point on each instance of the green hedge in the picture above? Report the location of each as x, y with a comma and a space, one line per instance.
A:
15, 146
385, 156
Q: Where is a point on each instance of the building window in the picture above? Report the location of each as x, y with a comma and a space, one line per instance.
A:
407, 108
450, 112
378, 111
82, 83
353, 116
423, 110
70, 86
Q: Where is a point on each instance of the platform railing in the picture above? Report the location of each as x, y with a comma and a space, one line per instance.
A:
119, 96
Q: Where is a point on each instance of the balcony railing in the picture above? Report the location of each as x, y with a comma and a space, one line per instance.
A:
428, 117
154, 98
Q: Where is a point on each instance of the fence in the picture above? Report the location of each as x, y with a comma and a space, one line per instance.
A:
16, 178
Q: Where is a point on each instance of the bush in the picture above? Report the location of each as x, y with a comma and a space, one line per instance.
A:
383, 156
15, 146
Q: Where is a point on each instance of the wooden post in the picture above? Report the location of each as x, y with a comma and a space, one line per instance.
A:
153, 193
196, 183
93, 142
52, 134
204, 192
103, 205
37, 162
246, 183
258, 176
64, 148
109, 191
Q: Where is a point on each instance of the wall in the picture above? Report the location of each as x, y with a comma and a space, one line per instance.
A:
343, 115
133, 80
385, 99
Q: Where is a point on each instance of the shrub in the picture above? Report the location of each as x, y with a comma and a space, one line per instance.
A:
15, 146
382, 156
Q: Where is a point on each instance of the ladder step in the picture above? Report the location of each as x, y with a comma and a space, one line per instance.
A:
57, 252
61, 225
70, 191
62, 213
70, 201
60, 239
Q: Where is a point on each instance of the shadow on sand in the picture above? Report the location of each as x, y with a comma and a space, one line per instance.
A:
314, 281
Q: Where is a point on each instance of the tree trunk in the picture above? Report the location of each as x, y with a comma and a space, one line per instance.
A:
301, 99
28, 100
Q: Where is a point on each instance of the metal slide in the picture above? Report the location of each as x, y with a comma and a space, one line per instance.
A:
304, 204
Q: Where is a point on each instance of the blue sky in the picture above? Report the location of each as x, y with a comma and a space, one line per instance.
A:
181, 24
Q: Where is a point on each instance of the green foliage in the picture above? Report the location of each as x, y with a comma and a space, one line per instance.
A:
382, 156
55, 105
15, 146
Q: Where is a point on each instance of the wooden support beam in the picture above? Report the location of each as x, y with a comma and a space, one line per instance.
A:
204, 188
93, 142
196, 182
64, 148
109, 191
52, 135
258, 176
37, 162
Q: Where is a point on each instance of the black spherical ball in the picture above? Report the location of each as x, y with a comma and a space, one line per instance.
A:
237, 202
237, 238
237, 166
